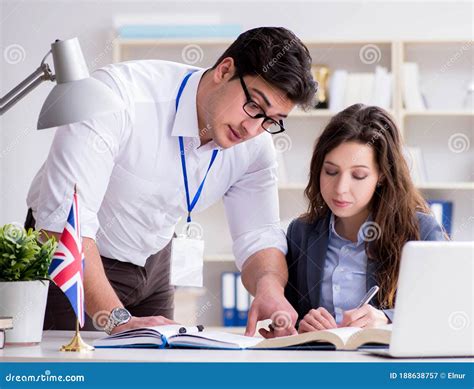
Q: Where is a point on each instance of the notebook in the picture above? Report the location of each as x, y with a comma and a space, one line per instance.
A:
6, 322
170, 336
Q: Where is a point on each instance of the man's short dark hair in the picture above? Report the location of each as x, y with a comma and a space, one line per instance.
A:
279, 57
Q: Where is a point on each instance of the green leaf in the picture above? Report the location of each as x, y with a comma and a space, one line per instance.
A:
22, 256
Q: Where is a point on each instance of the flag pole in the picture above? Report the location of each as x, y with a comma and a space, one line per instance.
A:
77, 344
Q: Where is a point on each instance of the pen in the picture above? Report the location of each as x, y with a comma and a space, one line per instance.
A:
190, 330
368, 296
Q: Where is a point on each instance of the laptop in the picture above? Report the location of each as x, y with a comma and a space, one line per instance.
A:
434, 304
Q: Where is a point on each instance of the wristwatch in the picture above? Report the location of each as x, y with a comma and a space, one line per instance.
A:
117, 317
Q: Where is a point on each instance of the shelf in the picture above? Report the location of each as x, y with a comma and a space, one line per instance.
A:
219, 258
316, 113
223, 41
322, 113
424, 186
295, 186
172, 41
446, 186
436, 42
444, 67
431, 113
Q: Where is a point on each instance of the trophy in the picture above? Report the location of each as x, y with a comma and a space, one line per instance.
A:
321, 75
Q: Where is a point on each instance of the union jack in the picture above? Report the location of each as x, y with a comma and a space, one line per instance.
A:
67, 266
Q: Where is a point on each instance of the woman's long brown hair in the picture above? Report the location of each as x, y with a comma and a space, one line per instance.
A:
396, 200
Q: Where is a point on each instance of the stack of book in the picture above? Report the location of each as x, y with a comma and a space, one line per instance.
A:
6, 323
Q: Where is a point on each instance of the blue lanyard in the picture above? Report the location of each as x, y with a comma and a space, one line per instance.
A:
183, 159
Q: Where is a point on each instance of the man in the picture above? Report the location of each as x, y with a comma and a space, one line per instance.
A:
129, 168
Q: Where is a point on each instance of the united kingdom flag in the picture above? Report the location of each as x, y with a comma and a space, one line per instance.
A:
67, 265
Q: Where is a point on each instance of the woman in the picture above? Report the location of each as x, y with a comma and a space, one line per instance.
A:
363, 207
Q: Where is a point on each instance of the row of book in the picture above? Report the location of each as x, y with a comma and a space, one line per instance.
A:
347, 88
413, 99
235, 300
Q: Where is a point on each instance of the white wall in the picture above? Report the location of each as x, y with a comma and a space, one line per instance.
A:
35, 24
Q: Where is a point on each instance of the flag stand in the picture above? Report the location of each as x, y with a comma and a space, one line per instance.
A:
77, 344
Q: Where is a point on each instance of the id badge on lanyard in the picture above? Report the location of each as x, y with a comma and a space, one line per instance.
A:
187, 259
187, 249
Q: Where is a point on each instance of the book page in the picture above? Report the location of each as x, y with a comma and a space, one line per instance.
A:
336, 336
344, 333
167, 330
379, 335
214, 339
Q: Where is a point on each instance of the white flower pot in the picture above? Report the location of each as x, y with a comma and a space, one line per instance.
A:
25, 301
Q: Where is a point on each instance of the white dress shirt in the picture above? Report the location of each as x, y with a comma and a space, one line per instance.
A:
128, 171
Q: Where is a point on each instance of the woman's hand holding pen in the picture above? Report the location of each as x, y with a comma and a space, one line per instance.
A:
316, 320
364, 317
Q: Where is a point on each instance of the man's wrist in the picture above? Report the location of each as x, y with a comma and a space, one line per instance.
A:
118, 317
270, 282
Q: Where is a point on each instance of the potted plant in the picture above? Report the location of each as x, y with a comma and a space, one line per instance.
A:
24, 281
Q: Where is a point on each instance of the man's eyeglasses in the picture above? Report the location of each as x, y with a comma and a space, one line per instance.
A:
254, 110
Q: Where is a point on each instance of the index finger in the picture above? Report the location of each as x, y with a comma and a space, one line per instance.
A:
251, 322
325, 313
353, 315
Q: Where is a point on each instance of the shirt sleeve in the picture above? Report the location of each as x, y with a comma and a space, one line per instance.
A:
430, 229
252, 206
81, 154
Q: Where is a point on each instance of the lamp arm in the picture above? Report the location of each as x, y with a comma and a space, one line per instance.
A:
43, 73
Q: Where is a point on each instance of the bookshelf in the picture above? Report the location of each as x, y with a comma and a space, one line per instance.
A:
445, 70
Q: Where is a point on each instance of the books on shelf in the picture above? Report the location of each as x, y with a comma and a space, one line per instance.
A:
337, 86
358, 88
177, 336
443, 213
412, 97
236, 300
347, 88
416, 166
382, 92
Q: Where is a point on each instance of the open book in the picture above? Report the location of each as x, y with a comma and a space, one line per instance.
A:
171, 336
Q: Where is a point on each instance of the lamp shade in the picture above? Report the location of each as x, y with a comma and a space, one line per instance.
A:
77, 96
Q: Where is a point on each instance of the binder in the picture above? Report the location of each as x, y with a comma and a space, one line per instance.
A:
228, 299
443, 213
242, 302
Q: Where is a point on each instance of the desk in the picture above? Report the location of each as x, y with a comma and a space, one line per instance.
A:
48, 351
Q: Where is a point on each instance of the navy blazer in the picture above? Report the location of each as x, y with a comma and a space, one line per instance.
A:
307, 246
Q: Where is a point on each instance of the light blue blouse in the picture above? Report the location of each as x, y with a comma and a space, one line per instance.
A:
344, 276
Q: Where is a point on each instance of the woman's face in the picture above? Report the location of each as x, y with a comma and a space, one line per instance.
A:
348, 178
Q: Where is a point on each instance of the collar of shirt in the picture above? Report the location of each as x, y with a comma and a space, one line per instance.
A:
360, 233
186, 119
